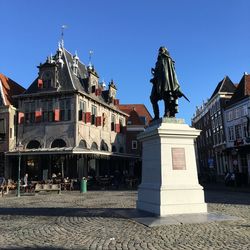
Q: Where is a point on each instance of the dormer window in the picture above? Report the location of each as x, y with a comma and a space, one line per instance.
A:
112, 91
75, 64
92, 81
47, 79
48, 76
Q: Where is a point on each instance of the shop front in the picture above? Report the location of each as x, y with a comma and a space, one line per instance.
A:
74, 164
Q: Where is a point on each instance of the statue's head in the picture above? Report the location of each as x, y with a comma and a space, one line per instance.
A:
163, 50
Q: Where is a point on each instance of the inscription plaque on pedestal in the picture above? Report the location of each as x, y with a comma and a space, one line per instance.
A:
178, 159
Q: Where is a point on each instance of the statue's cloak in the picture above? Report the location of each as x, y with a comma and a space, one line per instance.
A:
165, 79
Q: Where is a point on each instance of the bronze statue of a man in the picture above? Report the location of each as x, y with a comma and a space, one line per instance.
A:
165, 85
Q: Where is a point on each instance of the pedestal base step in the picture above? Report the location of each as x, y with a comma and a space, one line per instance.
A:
150, 220
171, 209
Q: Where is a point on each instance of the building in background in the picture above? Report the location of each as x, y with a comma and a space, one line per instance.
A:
8, 88
138, 119
236, 118
211, 143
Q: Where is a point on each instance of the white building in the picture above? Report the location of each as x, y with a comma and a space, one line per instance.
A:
236, 118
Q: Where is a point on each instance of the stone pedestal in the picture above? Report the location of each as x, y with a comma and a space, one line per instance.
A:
169, 173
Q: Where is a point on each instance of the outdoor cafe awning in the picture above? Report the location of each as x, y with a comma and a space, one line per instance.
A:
73, 151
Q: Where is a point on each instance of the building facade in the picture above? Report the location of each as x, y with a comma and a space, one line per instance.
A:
8, 88
69, 124
138, 119
236, 118
211, 143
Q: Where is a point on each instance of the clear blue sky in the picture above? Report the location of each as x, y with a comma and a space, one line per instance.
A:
207, 39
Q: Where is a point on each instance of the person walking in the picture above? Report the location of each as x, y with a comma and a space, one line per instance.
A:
25, 180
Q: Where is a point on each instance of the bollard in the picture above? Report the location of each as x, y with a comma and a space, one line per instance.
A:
83, 185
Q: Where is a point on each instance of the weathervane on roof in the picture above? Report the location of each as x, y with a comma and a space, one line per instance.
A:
62, 34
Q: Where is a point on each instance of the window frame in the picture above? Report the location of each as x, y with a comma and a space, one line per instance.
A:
134, 144
112, 124
93, 114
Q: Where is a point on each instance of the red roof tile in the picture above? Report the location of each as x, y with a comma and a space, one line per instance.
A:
136, 111
10, 88
134, 118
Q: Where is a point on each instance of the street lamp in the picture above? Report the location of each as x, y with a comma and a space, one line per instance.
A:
19, 147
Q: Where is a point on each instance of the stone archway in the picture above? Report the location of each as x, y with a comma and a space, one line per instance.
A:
94, 146
104, 146
58, 143
83, 144
33, 144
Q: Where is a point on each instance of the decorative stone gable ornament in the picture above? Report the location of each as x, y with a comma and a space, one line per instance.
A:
112, 91
93, 79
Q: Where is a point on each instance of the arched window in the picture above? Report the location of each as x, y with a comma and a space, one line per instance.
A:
82, 144
58, 143
33, 144
94, 146
104, 146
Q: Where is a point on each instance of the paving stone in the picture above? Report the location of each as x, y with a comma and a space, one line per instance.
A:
92, 221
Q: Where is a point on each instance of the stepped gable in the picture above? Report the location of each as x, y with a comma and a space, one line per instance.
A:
9, 88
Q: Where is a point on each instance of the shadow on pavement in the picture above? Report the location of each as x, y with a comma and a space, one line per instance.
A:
227, 197
67, 212
37, 248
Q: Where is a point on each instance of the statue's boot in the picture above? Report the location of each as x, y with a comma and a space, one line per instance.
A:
167, 112
171, 107
156, 111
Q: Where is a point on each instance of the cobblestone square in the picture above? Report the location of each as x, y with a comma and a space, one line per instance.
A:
89, 221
